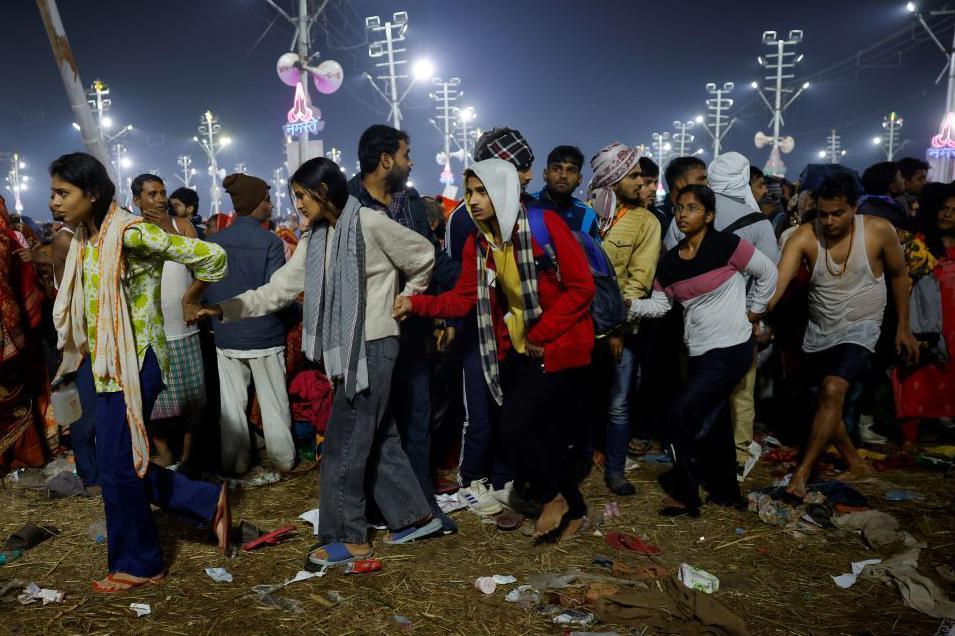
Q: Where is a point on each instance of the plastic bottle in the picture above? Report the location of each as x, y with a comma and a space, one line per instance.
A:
66, 404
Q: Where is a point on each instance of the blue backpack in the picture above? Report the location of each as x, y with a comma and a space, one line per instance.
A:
607, 309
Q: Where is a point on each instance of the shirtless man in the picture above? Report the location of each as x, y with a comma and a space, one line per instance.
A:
848, 256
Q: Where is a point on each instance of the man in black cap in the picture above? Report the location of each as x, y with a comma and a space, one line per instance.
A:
252, 349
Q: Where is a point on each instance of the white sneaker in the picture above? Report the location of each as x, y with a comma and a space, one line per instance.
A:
630, 464
866, 434
753, 454
479, 498
503, 496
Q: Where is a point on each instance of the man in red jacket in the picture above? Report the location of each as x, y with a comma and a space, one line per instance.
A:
533, 325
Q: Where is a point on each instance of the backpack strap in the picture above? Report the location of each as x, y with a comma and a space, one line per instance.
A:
745, 221
540, 233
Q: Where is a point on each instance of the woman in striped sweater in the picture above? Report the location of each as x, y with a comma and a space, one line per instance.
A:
705, 273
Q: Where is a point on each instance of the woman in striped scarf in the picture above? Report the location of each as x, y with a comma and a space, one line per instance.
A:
534, 325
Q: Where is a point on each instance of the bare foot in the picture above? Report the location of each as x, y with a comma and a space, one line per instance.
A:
861, 470
551, 515
797, 486
222, 524
574, 527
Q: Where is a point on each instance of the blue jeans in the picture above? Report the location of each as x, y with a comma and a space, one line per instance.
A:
483, 455
132, 543
618, 412
83, 431
362, 445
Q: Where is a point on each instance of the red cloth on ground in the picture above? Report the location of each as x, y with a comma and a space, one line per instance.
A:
310, 398
929, 390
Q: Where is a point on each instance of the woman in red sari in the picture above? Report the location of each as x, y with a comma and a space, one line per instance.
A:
21, 443
928, 390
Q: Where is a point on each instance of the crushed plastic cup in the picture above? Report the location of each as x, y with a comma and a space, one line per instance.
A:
485, 584
141, 609
577, 618
699, 580
10, 556
97, 531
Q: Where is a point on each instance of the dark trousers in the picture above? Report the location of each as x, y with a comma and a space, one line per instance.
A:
483, 455
543, 441
700, 428
411, 402
362, 454
83, 431
132, 544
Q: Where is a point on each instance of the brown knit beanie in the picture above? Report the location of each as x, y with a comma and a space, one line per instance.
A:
246, 191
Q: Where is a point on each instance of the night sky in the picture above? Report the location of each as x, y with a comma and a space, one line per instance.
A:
561, 71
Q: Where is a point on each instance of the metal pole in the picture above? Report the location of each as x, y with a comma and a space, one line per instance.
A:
303, 79
950, 96
395, 113
719, 117
777, 115
891, 136
70, 74
213, 165
464, 129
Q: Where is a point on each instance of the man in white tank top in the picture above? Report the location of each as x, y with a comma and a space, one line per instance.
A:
848, 257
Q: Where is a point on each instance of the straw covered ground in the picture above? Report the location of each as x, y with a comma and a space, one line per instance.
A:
778, 582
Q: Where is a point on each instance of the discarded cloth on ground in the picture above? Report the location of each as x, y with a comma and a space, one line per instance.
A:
879, 529
918, 591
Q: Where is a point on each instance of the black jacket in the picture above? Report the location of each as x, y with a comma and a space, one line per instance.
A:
886, 208
446, 270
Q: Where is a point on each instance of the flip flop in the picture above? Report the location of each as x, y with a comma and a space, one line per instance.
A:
30, 536
223, 512
411, 533
271, 538
630, 542
508, 520
127, 585
338, 554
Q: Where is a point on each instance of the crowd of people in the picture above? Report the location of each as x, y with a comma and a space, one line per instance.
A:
498, 347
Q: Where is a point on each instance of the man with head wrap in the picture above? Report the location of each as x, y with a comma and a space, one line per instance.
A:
631, 238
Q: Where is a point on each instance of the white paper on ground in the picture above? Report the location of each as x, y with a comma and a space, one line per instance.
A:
449, 503
311, 516
141, 609
219, 575
847, 580
504, 579
305, 574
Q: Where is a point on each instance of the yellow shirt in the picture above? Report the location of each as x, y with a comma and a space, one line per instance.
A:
508, 280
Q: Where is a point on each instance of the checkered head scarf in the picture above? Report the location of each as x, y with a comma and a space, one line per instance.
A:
611, 164
506, 144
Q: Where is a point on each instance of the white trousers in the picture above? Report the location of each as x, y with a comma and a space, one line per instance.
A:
268, 373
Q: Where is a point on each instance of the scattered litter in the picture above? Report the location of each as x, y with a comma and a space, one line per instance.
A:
303, 575
658, 458
274, 537
740, 532
281, 602
97, 530
58, 466
904, 495
268, 588
262, 479
33, 592
577, 618
783, 481
485, 584
311, 516
504, 579
878, 528
611, 510
847, 580
30, 536
64, 484
449, 503
699, 580
219, 575
917, 590
631, 542
771, 441
526, 596
141, 609
335, 596
402, 621
602, 561
10, 556
363, 567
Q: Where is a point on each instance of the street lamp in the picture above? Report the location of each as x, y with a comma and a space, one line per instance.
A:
423, 70
467, 116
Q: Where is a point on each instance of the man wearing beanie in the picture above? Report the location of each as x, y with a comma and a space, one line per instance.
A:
252, 349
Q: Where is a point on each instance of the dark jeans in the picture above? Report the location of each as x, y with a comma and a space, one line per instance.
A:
483, 455
362, 446
543, 440
701, 430
132, 544
83, 431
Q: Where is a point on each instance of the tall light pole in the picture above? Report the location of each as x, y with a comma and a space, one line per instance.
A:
278, 189
17, 181
949, 53
211, 141
681, 137
121, 162
717, 123
445, 94
834, 150
185, 164
890, 142
779, 66
392, 63
466, 117
661, 147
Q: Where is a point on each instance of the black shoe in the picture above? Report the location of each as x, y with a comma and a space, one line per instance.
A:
619, 485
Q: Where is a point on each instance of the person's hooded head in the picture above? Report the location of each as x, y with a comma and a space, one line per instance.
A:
492, 192
728, 175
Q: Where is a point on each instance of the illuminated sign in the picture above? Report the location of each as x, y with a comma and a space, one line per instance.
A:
301, 118
944, 137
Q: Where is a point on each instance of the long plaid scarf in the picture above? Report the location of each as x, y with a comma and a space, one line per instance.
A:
524, 253
334, 323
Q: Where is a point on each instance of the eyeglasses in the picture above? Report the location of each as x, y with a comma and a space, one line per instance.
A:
692, 207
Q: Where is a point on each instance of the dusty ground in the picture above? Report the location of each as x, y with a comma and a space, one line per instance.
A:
779, 582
